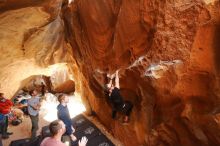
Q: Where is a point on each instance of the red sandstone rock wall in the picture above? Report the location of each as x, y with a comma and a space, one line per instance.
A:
167, 53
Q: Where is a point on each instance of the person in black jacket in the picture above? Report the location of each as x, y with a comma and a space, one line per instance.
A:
118, 104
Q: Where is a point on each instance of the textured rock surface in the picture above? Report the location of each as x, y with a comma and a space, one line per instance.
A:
31, 39
167, 53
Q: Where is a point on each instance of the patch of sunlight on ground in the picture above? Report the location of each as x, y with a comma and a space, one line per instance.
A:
49, 106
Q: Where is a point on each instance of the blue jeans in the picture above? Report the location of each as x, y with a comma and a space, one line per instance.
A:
3, 124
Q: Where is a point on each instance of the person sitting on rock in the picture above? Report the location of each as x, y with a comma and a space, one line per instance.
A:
116, 99
57, 129
63, 114
5, 110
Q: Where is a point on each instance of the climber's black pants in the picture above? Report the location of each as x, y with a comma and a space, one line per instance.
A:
125, 108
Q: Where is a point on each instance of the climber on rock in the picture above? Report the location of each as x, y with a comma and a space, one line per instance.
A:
118, 104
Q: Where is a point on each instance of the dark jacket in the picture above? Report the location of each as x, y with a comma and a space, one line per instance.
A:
63, 114
116, 99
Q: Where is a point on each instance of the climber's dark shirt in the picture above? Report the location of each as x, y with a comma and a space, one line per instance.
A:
116, 98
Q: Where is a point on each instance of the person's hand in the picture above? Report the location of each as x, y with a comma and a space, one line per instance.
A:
117, 72
108, 76
38, 106
112, 76
73, 138
83, 141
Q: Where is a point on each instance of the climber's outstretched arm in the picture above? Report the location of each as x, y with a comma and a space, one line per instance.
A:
110, 82
117, 80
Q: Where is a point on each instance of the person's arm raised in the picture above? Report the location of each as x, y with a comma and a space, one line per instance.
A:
117, 80
110, 82
111, 77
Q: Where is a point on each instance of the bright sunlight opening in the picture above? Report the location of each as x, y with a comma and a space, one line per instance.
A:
49, 106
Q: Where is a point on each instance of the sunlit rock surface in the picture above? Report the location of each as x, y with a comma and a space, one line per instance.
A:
49, 106
167, 52
31, 40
